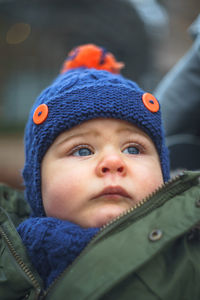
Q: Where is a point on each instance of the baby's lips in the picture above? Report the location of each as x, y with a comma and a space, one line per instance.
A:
113, 190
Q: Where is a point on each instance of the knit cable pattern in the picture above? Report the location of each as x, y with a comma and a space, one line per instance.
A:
53, 244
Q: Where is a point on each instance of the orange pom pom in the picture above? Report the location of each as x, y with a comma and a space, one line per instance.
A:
92, 56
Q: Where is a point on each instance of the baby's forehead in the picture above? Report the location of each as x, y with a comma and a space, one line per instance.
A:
99, 126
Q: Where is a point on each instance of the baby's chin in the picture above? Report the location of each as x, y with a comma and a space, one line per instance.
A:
106, 216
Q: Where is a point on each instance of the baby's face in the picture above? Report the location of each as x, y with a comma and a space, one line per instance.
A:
95, 171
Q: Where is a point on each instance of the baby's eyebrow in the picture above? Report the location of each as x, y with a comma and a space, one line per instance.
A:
75, 136
131, 131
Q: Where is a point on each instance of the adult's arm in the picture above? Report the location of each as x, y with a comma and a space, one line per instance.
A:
179, 94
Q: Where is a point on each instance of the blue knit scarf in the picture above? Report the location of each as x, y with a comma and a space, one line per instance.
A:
53, 244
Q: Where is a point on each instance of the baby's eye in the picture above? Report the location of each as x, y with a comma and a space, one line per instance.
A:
131, 150
84, 151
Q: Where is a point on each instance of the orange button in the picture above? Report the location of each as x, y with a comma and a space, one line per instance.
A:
40, 114
150, 102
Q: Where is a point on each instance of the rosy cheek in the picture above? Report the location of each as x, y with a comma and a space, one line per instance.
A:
65, 193
154, 184
149, 181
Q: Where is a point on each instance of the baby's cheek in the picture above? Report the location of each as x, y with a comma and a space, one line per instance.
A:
152, 185
60, 199
148, 182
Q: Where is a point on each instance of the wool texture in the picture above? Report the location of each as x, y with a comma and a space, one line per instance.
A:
53, 244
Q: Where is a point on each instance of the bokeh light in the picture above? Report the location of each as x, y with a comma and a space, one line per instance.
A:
18, 33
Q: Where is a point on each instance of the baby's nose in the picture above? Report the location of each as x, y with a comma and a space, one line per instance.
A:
111, 164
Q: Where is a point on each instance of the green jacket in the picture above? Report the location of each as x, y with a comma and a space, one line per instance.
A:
151, 252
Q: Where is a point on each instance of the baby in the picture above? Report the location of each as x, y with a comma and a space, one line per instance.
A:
94, 148
95, 171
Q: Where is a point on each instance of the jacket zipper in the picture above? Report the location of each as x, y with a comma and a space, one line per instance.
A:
125, 214
20, 262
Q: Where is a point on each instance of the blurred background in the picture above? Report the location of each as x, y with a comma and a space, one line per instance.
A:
149, 36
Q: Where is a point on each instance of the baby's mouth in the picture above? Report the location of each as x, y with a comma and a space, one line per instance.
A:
114, 192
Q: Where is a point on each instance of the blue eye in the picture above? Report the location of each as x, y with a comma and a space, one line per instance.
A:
82, 152
131, 150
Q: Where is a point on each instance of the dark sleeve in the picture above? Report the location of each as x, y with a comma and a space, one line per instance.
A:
179, 94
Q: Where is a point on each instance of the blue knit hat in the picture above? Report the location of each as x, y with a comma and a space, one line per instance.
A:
79, 94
